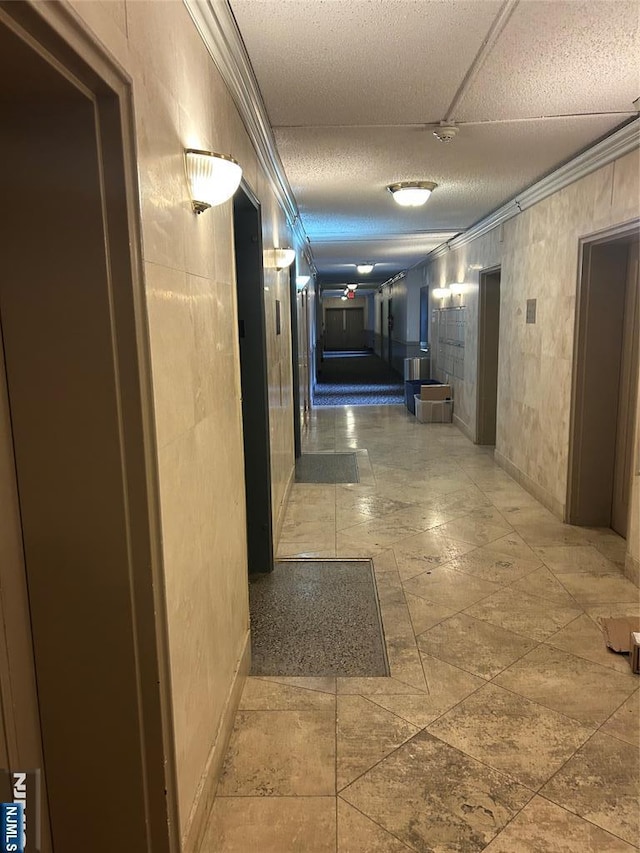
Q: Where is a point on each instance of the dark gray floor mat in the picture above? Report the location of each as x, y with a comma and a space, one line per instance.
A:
317, 618
327, 468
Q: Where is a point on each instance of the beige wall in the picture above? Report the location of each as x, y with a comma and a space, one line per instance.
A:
538, 252
180, 101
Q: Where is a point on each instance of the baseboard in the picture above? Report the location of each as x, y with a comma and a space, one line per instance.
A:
632, 569
463, 427
538, 491
193, 835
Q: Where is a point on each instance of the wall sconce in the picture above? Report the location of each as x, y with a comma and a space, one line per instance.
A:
458, 288
441, 292
365, 268
352, 287
284, 258
302, 281
213, 178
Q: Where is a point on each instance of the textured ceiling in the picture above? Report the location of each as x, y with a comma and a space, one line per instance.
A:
352, 87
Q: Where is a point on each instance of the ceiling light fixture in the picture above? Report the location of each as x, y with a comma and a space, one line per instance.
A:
213, 178
365, 268
352, 287
284, 257
411, 193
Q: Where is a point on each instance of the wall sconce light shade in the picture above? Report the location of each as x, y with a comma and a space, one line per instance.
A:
458, 288
213, 178
302, 281
284, 258
411, 193
344, 298
365, 268
352, 287
441, 292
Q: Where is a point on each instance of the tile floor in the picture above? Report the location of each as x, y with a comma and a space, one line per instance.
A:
506, 725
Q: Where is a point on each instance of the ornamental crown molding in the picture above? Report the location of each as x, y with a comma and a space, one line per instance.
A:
218, 30
619, 143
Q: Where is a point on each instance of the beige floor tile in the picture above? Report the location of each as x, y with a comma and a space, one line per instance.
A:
366, 733
262, 695
524, 614
625, 723
577, 558
576, 687
381, 532
356, 545
303, 511
514, 546
325, 684
404, 661
476, 646
490, 565
592, 590
385, 561
449, 588
318, 532
544, 583
306, 550
373, 686
437, 799
358, 834
426, 550
474, 530
542, 827
271, 825
584, 638
446, 685
511, 734
280, 753
425, 614
549, 533
601, 784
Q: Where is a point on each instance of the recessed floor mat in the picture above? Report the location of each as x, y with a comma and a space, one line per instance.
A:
317, 618
327, 468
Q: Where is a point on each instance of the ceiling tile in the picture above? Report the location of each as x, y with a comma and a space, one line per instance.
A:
361, 62
560, 58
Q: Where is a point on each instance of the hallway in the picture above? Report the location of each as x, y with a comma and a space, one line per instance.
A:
357, 379
506, 725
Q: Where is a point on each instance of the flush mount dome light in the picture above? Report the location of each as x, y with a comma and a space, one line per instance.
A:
365, 268
284, 258
213, 178
411, 193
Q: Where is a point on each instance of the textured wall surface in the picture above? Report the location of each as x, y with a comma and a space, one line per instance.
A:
180, 101
538, 253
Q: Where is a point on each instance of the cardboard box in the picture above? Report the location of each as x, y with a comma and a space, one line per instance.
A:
435, 392
634, 657
617, 632
434, 411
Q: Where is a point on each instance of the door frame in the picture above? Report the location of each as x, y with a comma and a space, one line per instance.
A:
585, 245
295, 364
257, 452
497, 268
55, 32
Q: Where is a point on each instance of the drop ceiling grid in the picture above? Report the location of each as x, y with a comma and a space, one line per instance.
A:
560, 58
356, 62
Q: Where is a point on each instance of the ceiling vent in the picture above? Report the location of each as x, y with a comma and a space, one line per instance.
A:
446, 132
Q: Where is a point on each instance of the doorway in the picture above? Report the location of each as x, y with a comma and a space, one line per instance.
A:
488, 346
298, 403
344, 329
605, 383
424, 317
247, 226
84, 666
